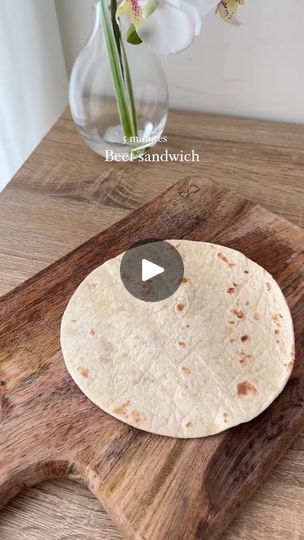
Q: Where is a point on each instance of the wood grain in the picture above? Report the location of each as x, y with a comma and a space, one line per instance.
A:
61, 198
154, 487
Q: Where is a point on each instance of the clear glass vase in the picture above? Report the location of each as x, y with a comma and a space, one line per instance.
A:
117, 120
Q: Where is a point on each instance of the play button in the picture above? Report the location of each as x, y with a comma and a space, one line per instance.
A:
152, 270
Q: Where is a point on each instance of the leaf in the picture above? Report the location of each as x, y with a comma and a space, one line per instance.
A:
130, 93
116, 70
132, 36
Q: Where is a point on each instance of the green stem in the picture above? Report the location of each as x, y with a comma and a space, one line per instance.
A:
130, 92
119, 69
124, 66
116, 28
116, 70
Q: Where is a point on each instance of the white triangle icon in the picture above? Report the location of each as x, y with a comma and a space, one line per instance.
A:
150, 270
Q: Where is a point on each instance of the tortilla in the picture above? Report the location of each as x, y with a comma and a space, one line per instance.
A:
213, 355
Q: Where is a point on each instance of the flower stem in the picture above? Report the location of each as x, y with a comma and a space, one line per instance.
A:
116, 28
119, 69
130, 92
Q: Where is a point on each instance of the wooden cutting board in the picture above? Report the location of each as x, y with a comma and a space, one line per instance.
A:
155, 488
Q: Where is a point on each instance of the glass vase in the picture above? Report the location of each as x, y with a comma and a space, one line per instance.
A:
119, 109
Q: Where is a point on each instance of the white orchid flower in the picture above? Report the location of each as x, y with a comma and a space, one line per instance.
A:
168, 26
227, 9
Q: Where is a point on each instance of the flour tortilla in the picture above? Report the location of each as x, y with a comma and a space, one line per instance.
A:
213, 355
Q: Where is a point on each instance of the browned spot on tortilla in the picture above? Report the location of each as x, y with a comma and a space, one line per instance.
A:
148, 290
247, 303
85, 372
245, 337
74, 321
184, 280
231, 290
138, 417
180, 307
244, 357
187, 325
268, 285
91, 286
189, 424
226, 416
148, 286
231, 322
246, 271
122, 409
93, 332
276, 318
277, 332
186, 370
277, 341
257, 316
182, 344
239, 313
289, 365
232, 340
245, 388
224, 258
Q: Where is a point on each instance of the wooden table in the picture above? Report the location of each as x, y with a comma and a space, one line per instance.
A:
65, 194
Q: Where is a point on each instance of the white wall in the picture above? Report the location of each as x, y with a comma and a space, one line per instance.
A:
33, 88
256, 70
75, 21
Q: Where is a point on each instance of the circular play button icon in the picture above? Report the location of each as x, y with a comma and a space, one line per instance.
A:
152, 270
